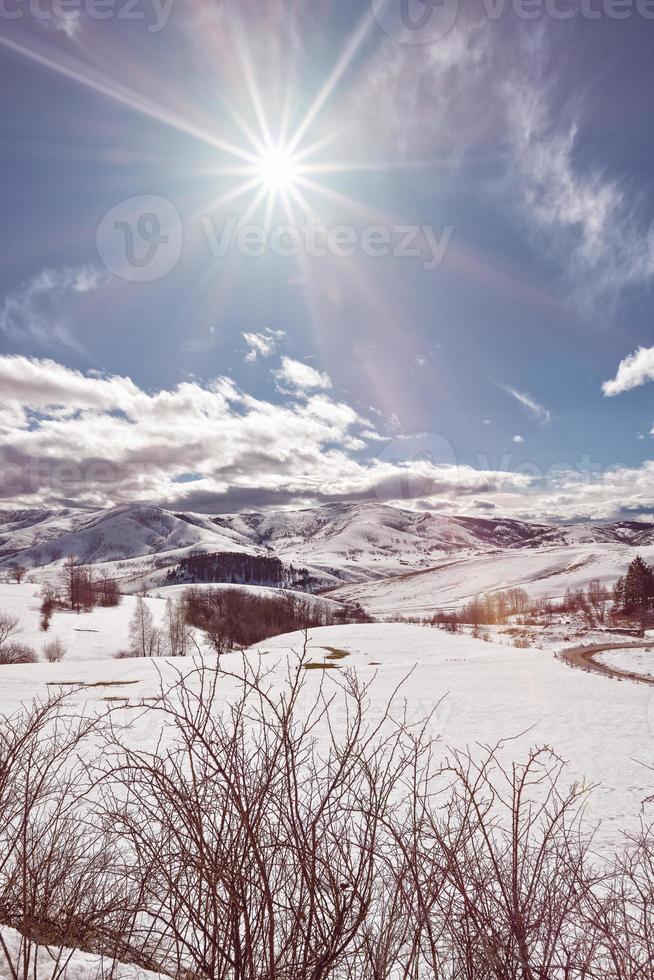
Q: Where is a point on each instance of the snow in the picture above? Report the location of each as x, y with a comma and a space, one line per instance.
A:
78, 965
337, 543
545, 573
314, 601
101, 633
633, 661
601, 726
95, 635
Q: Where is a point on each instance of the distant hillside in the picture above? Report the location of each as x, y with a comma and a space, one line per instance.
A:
335, 544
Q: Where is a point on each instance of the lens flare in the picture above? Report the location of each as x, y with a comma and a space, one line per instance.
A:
277, 169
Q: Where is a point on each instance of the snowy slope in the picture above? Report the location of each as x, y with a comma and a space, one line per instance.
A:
121, 533
95, 635
603, 727
545, 572
101, 633
375, 539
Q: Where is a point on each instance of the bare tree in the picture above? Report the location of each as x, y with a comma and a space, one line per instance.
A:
176, 632
598, 599
106, 589
144, 636
17, 573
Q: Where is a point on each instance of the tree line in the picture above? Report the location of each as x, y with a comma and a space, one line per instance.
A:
236, 568
631, 596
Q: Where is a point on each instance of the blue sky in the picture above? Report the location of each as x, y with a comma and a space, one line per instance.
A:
511, 157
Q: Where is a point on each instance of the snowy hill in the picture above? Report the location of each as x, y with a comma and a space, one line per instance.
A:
354, 544
544, 572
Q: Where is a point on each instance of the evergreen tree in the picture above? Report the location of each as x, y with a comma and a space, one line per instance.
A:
638, 586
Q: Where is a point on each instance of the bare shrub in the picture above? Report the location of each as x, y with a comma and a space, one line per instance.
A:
8, 627
280, 832
17, 653
60, 884
54, 651
259, 854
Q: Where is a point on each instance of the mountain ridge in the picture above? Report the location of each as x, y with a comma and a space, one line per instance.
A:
337, 543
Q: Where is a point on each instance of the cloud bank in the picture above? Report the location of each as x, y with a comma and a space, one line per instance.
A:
68, 438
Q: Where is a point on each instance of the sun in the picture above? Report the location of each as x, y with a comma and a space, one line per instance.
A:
277, 169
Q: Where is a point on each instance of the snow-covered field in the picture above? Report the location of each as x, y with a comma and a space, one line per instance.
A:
639, 662
604, 728
95, 635
101, 633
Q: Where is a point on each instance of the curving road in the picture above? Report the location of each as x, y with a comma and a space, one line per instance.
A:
583, 657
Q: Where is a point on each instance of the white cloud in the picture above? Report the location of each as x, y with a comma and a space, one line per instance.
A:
73, 438
301, 377
532, 406
635, 370
42, 309
69, 437
586, 218
518, 439
68, 22
262, 344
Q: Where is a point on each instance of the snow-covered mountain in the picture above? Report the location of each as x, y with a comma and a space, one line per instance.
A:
338, 543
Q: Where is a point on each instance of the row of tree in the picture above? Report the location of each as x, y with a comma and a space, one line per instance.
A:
172, 638
633, 594
79, 588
